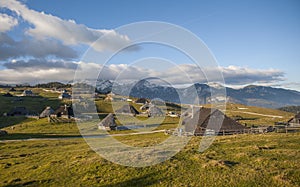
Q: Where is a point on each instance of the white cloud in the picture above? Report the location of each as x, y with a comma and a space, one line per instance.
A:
68, 31
30, 47
241, 75
44, 71
7, 22
39, 64
11, 76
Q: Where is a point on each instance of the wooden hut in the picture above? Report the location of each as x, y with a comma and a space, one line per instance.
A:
142, 101
27, 93
12, 89
48, 111
64, 95
64, 112
146, 106
155, 111
7, 95
108, 123
127, 109
206, 120
295, 121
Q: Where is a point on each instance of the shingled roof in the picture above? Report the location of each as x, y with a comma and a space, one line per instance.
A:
108, 123
142, 101
7, 95
127, 109
217, 120
46, 112
155, 111
64, 111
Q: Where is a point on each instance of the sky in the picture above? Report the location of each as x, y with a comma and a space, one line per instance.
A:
253, 41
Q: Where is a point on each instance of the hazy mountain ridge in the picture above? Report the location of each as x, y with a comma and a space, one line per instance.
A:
261, 96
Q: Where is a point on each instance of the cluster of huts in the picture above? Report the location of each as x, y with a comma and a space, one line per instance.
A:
64, 94
195, 121
24, 93
148, 109
61, 112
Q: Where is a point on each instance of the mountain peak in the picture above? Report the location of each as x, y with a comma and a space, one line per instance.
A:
254, 95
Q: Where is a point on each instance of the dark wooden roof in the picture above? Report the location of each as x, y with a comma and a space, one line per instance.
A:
127, 109
141, 100
155, 111
297, 116
7, 95
64, 110
46, 112
212, 119
108, 121
12, 89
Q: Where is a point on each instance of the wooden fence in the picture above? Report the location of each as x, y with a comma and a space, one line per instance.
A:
258, 130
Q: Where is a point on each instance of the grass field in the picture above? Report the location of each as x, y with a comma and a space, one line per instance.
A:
33, 104
60, 157
32, 128
242, 160
256, 115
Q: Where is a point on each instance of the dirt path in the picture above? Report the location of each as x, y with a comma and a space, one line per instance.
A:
253, 113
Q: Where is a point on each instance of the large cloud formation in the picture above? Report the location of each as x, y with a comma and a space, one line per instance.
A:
67, 31
45, 52
30, 47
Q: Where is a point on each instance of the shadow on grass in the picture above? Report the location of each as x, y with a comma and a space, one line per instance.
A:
24, 136
28, 183
10, 121
145, 180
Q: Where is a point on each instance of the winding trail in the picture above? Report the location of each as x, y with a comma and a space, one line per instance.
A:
253, 113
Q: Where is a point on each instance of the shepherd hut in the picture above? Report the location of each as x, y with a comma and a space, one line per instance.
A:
155, 111
127, 109
27, 93
204, 120
141, 101
7, 95
64, 112
108, 123
295, 121
48, 111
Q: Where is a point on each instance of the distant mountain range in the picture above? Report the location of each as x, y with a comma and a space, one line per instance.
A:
261, 96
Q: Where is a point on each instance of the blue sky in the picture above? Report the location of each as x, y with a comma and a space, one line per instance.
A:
254, 37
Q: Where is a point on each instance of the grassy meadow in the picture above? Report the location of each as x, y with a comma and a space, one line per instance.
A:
241, 160
39, 153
